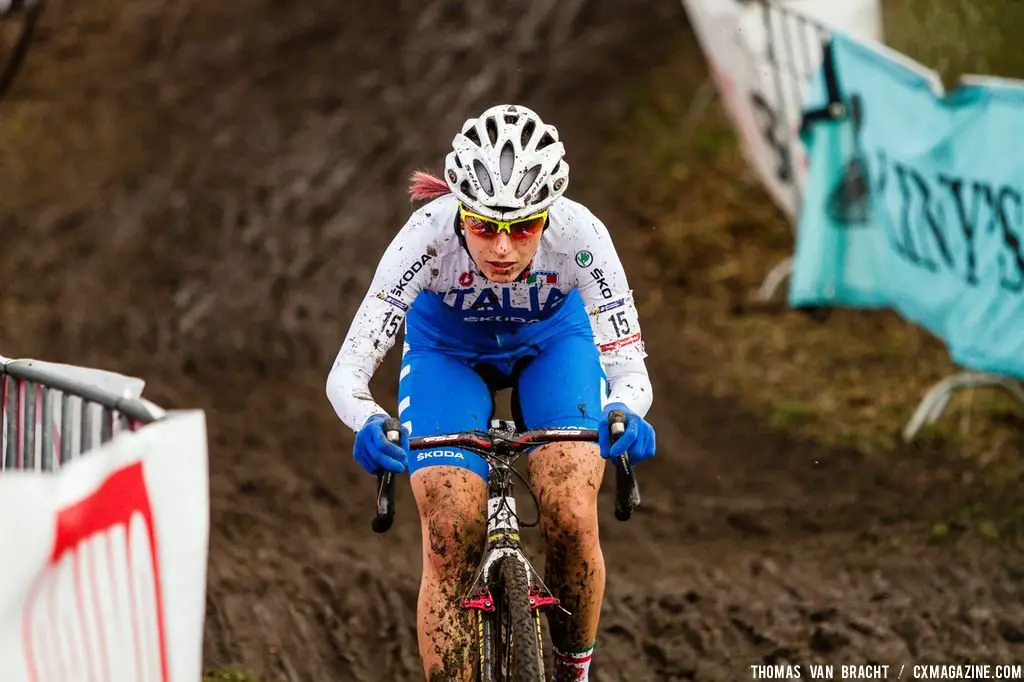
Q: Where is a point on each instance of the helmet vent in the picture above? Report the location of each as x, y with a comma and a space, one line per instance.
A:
506, 162
528, 129
484, 177
466, 189
473, 135
492, 130
541, 195
527, 181
545, 141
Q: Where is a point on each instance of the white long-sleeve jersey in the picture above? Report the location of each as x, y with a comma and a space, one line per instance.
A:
428, 258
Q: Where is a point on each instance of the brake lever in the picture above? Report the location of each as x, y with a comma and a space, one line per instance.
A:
386, 483
627, 490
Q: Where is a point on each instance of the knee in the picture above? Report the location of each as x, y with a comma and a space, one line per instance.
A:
569, 517
453, 538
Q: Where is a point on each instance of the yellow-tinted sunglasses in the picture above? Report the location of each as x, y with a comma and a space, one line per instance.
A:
483, 226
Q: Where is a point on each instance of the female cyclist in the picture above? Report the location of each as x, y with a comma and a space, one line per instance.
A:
502, 282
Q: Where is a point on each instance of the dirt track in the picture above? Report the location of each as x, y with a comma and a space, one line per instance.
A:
215, 188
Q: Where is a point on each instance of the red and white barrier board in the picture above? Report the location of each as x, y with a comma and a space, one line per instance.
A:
103, 563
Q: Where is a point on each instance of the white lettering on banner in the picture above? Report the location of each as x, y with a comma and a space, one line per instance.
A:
96, 611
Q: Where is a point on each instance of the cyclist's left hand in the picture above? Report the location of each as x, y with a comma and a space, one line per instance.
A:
375, 452
638, 438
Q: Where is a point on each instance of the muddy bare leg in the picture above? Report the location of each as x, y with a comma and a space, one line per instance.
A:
567, 478
452, 512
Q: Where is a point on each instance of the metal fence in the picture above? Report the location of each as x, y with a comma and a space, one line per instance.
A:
49, 419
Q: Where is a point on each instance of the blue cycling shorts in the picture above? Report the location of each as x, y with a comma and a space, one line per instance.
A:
557, 381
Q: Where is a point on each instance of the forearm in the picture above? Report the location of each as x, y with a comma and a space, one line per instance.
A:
633, 389
348, 389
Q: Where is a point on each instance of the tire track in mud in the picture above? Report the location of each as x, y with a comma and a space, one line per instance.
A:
280, 137
808, 608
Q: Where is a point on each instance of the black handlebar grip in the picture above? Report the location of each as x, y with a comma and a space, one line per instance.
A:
627, 492
386, 483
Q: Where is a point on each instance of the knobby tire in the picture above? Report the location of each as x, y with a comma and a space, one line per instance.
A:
514, 611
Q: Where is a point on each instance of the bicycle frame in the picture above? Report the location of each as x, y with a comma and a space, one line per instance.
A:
502, 449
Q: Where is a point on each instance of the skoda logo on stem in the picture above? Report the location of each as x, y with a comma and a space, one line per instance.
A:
584, 259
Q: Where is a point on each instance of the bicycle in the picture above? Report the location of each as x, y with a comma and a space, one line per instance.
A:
507, 594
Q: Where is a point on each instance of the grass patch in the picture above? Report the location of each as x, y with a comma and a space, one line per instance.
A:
996, 522
855, 378
955, 37
228, 675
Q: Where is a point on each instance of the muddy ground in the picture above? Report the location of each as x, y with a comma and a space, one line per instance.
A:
197, 193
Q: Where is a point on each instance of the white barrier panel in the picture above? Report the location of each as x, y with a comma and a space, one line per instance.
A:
103, 574
763, 96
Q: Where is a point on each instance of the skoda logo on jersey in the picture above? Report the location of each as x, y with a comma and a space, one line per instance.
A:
598, 275
410, 273
584, 259
491, 305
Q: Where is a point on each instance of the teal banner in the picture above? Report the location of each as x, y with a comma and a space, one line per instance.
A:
915, 202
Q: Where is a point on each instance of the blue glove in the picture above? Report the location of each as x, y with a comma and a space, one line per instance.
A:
638, 438
375, 452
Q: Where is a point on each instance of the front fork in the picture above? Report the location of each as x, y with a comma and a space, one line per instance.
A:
503, 541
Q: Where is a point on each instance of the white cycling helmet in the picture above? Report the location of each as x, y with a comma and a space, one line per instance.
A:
507, 164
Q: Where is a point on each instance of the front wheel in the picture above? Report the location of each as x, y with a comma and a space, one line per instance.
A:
511, 637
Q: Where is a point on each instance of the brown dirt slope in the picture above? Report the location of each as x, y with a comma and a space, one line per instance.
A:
197, 192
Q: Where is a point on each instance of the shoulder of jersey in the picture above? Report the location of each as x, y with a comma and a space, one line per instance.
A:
572, 227
435, 222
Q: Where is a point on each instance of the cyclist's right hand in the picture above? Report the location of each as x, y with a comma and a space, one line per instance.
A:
375, 452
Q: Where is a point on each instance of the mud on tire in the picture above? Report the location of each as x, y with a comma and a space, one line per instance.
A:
527, 654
